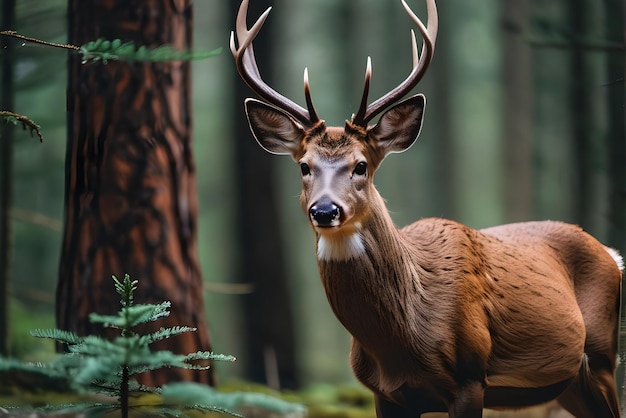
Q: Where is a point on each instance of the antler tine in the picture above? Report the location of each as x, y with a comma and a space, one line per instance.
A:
420, 65
249, 71
366, 91
313, 118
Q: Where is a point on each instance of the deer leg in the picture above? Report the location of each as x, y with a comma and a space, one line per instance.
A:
388, 409
468, 402
593, 394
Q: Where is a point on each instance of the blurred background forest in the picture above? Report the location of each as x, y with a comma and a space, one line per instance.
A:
525, 120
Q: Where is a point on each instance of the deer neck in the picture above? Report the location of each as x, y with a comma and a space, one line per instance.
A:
366, 271
375, 235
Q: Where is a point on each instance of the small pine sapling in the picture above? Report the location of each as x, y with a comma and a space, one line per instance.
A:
97, 365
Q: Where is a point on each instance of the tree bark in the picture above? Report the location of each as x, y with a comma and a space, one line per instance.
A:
130, 194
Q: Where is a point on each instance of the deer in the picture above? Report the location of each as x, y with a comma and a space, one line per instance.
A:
443, 317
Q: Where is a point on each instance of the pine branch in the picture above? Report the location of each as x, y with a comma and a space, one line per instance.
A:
125, 289
66, 337
165, 333
14, 34
105, 50
131, 316
208, 355
16, 118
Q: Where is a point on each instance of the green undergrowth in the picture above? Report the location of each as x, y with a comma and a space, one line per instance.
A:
95, 376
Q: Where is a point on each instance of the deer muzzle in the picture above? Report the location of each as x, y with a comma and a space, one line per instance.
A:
325, 213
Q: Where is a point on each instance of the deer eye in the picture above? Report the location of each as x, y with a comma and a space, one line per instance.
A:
360, 169
305, 169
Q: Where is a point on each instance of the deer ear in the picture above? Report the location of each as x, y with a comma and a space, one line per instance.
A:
399, 127
275, 130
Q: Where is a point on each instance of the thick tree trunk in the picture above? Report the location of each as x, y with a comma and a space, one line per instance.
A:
130, 198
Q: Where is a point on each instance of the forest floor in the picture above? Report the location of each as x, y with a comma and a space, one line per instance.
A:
20, 397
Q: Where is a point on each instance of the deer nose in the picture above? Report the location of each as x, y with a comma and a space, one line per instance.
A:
324, 213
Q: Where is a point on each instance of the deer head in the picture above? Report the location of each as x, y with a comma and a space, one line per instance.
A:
337, 164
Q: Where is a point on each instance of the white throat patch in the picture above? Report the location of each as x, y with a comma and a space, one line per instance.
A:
342, 248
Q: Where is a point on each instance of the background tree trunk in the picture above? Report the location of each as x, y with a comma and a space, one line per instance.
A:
517, 117
260, 256
615, 11
615, 16
588, 101
6, 165
130, 195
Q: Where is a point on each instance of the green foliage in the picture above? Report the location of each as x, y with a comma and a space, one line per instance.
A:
185, 393
17, 119
349, 401
97, 365
21, 342
104, 50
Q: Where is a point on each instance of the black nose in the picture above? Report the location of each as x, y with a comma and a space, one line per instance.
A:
324, 212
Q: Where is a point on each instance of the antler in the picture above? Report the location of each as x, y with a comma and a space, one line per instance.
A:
249, 72
420, 65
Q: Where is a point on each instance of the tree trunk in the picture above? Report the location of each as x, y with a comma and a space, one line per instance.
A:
588, 114
130, 195
444, 191
518, 122
6, 165
269, 335
615, 11
615, 16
